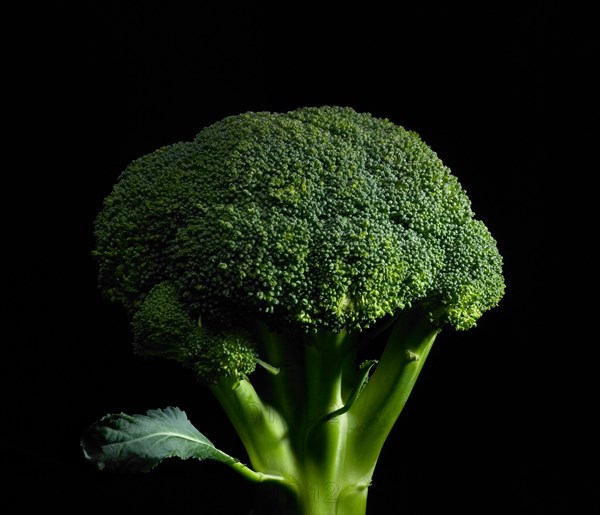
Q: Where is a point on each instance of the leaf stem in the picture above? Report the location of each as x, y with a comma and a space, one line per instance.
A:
255, 477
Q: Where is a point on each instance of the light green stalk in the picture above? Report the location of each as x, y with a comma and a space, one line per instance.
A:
262, 430
326, 447
374, 413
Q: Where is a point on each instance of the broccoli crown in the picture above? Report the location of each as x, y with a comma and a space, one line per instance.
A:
319, 218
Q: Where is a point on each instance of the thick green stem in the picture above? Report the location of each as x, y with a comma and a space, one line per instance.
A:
374, 413
333, 498
327, 482
322, 439
325, 362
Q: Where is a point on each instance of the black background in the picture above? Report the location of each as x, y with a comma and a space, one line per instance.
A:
503, 417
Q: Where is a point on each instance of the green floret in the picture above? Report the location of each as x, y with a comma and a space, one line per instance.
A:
225, 354
163, 328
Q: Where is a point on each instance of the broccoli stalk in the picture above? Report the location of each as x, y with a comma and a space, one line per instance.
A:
289, 243
326, 454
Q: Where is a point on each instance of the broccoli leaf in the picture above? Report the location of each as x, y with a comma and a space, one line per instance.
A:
137, 443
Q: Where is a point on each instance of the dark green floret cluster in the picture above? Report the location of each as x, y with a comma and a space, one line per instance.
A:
163, 328
317, 218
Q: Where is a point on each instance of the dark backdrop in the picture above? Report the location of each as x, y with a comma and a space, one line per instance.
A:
503, 417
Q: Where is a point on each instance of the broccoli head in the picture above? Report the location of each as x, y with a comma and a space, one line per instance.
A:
292, 236
321, 218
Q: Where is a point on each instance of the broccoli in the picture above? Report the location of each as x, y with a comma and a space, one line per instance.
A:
282, 245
